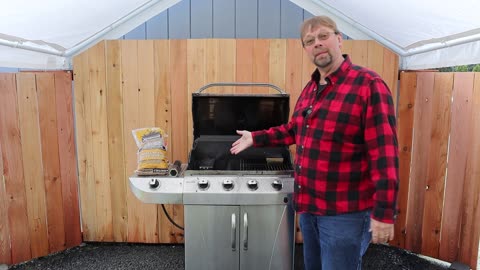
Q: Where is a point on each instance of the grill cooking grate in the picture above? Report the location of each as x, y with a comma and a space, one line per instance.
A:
249, 165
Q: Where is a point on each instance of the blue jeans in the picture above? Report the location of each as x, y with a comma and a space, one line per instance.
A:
335, 242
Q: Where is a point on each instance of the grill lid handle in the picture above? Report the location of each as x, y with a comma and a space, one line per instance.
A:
241, 84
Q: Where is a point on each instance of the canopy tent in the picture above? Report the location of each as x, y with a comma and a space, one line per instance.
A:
47, 34
425, 34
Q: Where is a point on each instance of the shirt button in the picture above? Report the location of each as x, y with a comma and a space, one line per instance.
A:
308, 126
299, 187
314, 89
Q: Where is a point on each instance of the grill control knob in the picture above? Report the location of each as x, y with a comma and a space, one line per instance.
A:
252, 184
227, 184
203, 184
277, 185
154, 183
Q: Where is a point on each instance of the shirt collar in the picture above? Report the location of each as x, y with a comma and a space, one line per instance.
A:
339, 73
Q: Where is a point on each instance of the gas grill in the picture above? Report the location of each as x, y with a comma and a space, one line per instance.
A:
237, 208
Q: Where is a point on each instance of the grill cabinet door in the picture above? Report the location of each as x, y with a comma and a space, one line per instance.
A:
266, 237
211, 237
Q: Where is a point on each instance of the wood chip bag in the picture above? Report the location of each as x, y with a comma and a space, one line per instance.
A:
152, 149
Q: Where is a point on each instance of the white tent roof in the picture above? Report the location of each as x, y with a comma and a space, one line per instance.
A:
425, 34
46, 34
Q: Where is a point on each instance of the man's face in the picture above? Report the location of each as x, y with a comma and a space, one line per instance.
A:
322, 46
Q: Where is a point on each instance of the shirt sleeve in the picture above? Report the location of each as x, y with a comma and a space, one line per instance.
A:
275, 136
382, 150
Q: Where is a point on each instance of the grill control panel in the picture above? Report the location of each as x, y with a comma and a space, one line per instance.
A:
213, 189
235, 190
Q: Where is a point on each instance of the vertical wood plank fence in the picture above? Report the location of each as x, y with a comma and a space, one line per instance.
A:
122, 85
39, 209
439, 139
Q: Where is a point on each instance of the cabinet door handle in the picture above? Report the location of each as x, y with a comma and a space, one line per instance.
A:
245, 231
234, 232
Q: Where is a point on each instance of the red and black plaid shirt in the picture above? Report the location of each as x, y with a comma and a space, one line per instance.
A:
347, 150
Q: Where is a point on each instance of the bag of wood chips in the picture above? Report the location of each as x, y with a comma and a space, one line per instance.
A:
152, 151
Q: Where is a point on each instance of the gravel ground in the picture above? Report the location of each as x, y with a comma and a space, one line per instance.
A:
110, 256
117, 256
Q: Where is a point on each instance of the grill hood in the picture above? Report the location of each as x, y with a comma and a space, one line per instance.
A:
216, 117
216, 114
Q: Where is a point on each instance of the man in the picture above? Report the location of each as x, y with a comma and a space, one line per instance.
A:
346, 162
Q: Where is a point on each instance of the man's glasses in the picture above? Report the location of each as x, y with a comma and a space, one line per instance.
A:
322, 36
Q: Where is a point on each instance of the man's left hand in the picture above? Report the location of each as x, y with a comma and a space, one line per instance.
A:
381, 232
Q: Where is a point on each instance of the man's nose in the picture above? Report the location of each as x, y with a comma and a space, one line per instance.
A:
318, 42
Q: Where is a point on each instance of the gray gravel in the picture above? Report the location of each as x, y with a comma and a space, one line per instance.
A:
118, 256
392, 258
111, 256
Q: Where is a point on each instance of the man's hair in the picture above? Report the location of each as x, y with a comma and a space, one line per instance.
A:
317, 21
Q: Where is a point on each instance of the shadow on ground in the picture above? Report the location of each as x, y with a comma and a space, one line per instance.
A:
117, 256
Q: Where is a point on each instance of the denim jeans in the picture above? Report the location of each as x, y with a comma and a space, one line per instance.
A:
335, 242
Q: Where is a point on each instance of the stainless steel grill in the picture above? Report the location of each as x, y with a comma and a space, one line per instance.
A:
238, 212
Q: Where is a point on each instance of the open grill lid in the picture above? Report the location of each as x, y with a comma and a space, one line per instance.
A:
223, 114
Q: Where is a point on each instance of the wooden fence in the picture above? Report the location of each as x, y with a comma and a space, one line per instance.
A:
39, 209
123, 85
439, 138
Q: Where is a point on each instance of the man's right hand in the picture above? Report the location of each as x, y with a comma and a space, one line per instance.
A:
243, 143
